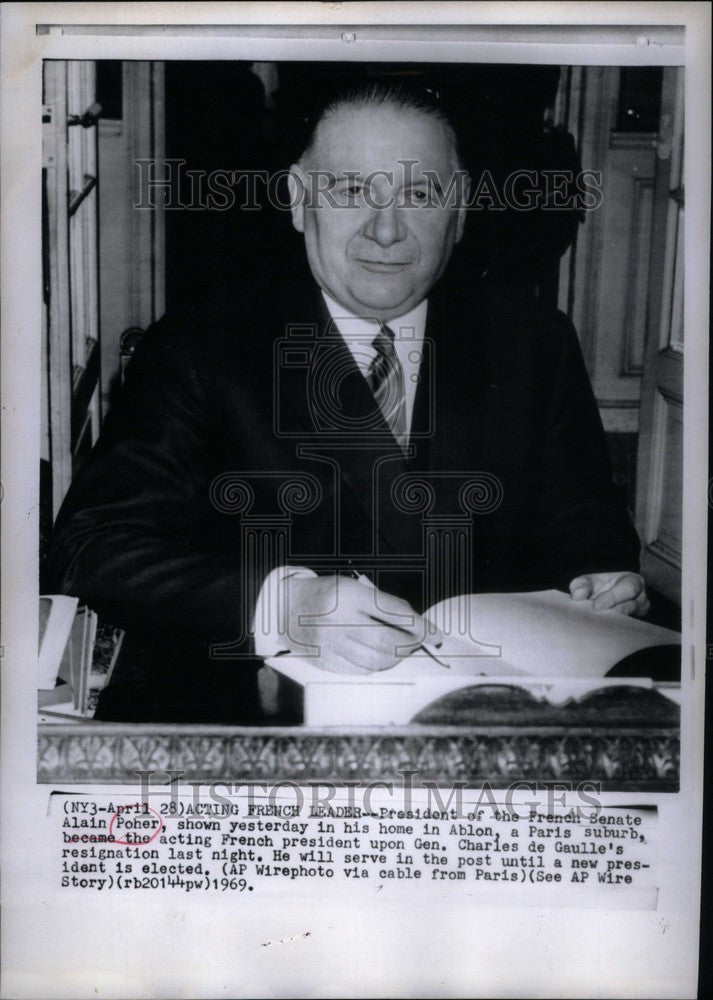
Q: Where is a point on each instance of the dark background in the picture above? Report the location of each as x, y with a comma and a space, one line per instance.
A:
218, 118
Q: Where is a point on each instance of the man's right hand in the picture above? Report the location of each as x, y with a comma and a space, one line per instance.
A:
335, 615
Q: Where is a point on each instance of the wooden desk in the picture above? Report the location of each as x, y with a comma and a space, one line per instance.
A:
626, 741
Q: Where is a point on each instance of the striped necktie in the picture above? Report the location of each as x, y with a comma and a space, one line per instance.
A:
386, 380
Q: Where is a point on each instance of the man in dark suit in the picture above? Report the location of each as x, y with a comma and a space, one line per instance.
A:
377, 424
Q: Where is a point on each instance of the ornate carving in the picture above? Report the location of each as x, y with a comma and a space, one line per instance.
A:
628, 759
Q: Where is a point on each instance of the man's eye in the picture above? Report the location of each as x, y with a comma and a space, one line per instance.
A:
352, 190
418, 196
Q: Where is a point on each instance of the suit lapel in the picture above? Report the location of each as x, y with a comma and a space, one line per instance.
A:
370, 458
459, 382
320, 382
333, 413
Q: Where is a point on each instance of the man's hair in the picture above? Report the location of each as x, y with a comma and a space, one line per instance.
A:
395, 97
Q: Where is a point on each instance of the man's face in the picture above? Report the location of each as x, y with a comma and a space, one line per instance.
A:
378, 261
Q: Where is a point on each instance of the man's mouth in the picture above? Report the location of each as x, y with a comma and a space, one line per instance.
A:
380, 267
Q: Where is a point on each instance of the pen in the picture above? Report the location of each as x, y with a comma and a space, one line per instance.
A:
367, 583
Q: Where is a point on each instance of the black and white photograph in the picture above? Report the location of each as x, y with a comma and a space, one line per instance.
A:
359, 424
364, 408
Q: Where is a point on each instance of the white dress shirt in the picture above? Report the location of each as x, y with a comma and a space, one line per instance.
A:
358, 334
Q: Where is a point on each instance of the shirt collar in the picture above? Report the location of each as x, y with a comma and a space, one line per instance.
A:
409, 327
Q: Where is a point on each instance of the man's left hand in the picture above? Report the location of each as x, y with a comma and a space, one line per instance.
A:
623, 592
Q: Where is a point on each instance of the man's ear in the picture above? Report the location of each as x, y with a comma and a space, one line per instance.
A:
463, 207
297, 187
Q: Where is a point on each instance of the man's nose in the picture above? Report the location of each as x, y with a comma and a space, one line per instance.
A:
386, 225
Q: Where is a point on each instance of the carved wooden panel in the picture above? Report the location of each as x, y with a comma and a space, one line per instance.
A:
665, 514
659, 506
624, 738
604, 276
633, 760
623, 276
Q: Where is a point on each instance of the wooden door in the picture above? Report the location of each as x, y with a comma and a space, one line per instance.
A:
71, 285
85, 156
660, 472
604, 276
132, 252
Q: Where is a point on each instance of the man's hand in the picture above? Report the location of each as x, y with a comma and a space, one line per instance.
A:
623, 592
346, 621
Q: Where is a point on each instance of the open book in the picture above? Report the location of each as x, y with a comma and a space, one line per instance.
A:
542, 636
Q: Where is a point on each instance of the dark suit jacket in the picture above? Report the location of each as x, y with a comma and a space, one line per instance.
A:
246, 438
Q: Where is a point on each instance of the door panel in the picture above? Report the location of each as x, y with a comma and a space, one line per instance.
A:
71, 282
82, 328
604, 277
659, 507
